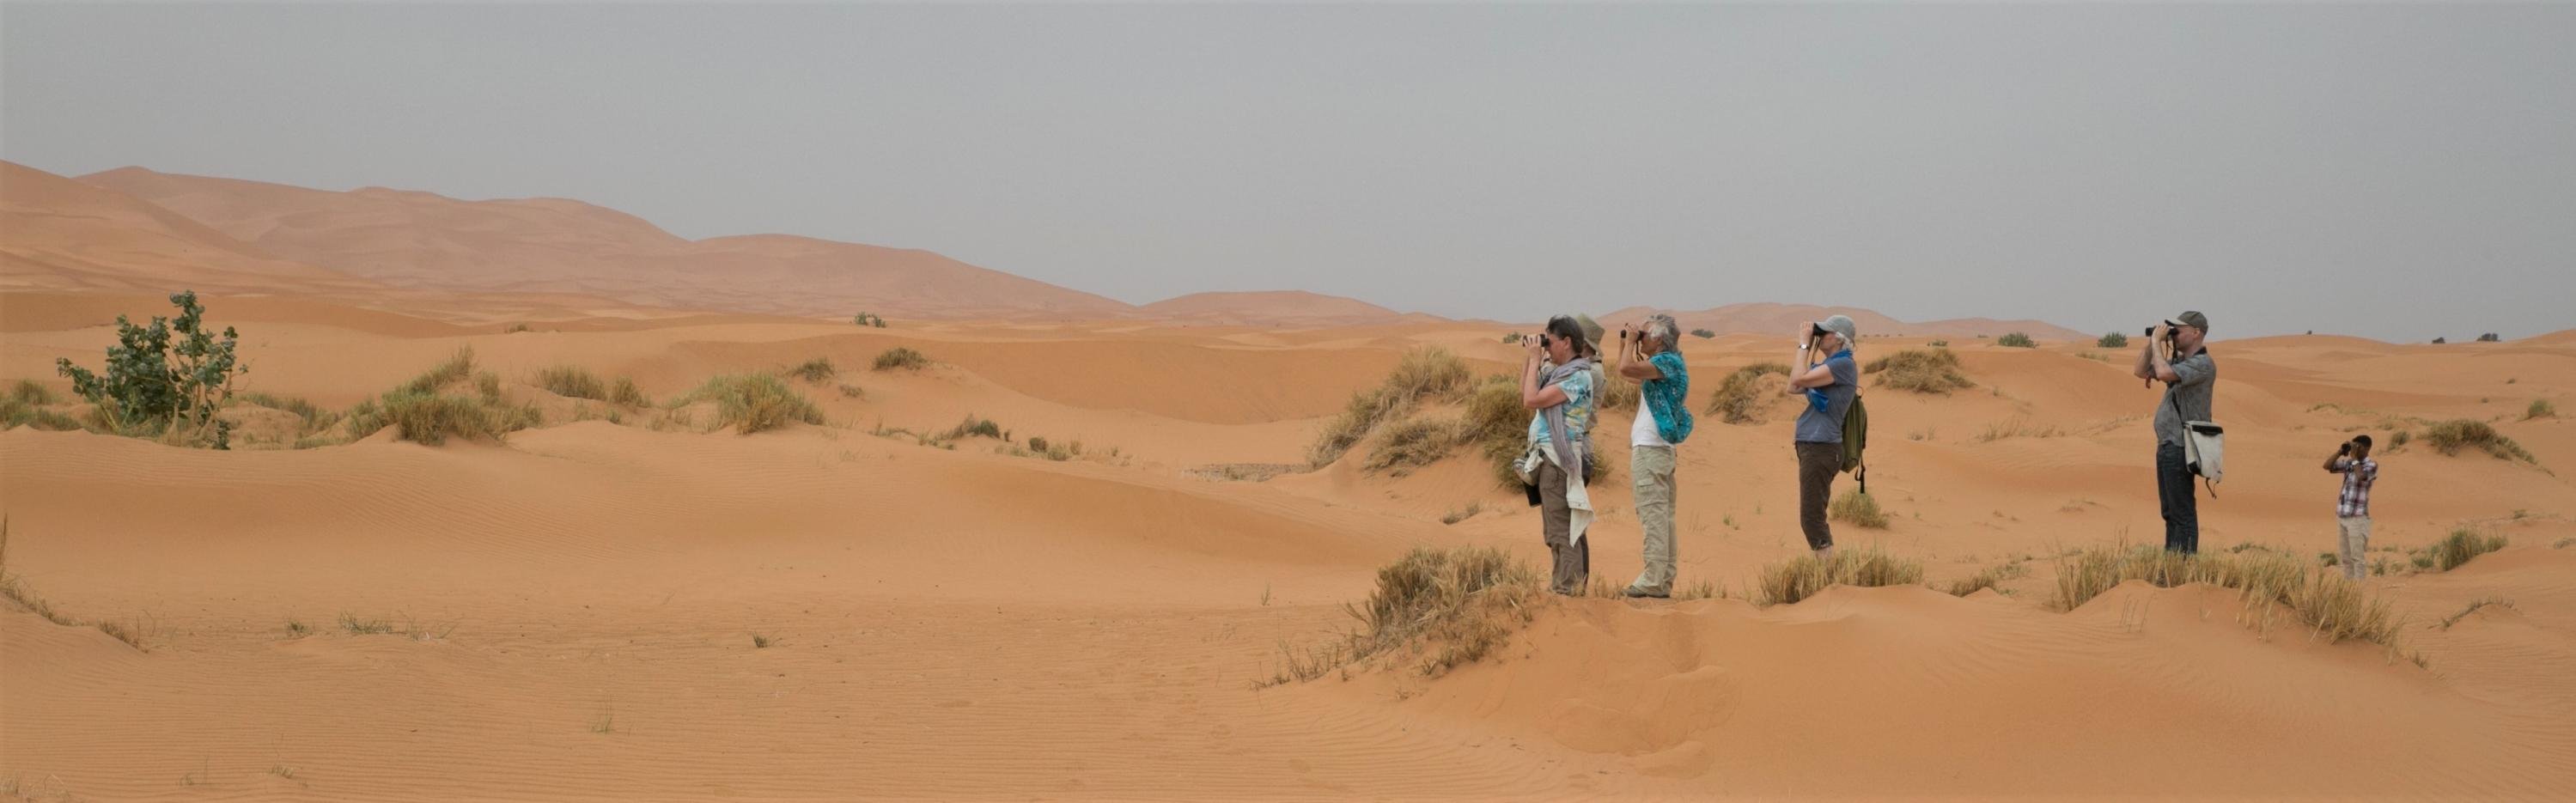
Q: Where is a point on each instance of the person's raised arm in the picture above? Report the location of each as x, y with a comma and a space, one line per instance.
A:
1533, 396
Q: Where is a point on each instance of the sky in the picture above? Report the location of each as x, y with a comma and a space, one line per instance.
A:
2393, 171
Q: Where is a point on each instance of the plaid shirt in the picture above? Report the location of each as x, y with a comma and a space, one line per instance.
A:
2357, 477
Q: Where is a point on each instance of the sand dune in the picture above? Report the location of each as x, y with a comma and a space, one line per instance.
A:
56, 233
571, 610
1274, 308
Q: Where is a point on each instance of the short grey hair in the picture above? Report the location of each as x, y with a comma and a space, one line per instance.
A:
1663, 328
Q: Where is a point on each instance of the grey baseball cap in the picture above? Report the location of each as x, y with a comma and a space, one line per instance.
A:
1842, 325
2191, 319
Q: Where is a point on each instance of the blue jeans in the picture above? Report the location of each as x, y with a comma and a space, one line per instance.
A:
2181, 505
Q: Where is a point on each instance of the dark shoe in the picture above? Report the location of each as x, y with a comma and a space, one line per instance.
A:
1632, 591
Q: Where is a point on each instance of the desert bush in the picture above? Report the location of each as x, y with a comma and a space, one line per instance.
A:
869, 319
1803, 576
572, 382
853, 392
2336, 608
818, 369
1424, 371
28, 392
624, 393
1619, 393
2460, 433
456, 369
515, 328
1920, 371
1858, 509
2540, 408
1939, 344
1703, 334
973, 427
2490, 337
1739, 397
901, 358
2112, 341
1496, 424
2400, 438
1454, 606
2016, 340
2439, 341
1414, 442
754, 402
2462, 544
1511, 337
431, 418
155, 386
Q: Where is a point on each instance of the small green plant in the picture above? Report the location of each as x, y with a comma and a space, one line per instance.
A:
364, 627
2461, 433
572, 382
974, 427
515, 329
901, 358
853, 392
1703, 334
1991, 577
2462, 544
1511, 337
296, 628
761, 642
817, 370
2112, 341
625, 394
2017, 340
605, 723
2540, 408
152, 386
2473, 607
1858, 509
2400, 438
869, 319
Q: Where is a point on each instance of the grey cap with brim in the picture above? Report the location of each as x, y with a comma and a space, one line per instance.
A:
2191, 319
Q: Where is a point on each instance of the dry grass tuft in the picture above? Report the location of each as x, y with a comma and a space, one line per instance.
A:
2454, 435
816, 370
2473, 607
2457, 548
1739, 397
1920, 371
754, 402
2540, 408
1441, 607
1992, 577
901, 358
1415, 442
572, 382
1857, 508
454, 370
2333, 607
1423, 372
2017, 428
1803, 576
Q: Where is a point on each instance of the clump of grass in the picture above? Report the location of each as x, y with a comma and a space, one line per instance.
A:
2017, 340
816, 370
572, 382
1415, 442
2457, 548
1858, 509
30, 392
1703, 334
605, 724
1424, 371
761, 642
2113, 340
853, 392
364, 627
1618, 393
625, 394
315, 418
2460, 433
1920, 371
122, 632
1496, 424
1991, 577
15, 413
1803, 576
2017, 428
432, 418
296, 628
2400, 438
974, 427
1739, 397
2540, 408
514, 328
754, 402
1939, 344
1463, 514
2336, 608
454, 370
1435, 608
901, 358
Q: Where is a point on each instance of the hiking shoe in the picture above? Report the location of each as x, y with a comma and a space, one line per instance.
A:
1633, 591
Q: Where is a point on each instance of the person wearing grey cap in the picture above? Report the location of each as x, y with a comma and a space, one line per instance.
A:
2174, 355
1828, 377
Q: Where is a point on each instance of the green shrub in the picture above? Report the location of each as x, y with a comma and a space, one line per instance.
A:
1497, 425
625, 393
1414, 442
754, 402
15, 412
1920, 371
2460, 433
1703, 334
1857, 508
2462, 544
572, 382
901, 358
2540, 408
2112, 341
154, 384
974, 427
1739, 397
2016, 340
28, 392
454, 370
432, 418
869, 319
818, 369
1424, 371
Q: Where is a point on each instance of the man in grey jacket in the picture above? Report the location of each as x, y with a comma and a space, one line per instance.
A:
2190, 376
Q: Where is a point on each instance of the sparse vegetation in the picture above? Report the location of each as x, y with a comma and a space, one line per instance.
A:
869, 319
2439, 341
1991, 577
815, 370
154, 387
2336, 608
2490, 337
2017, 428
364, 627
2017, 340
974, 427
457, 367
2400, 438
2540, 408
515, 328
1803, 576
853, 392
2113, 340
422, 413
1703, 334
572, 382
1858, 509
624, 393
25, 406
1920, 371
1939, 344
1463, 514
901, 358
761, 642
1444, 607
2461, 433
124, 632
1415, 442
1739, 397
1497, 424
754, 402
1511, 337
2473, 607
2457, 548
1424, 371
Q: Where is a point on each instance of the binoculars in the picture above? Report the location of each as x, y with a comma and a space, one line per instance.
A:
2151, 332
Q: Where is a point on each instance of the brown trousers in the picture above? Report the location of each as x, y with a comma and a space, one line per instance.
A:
1571, 568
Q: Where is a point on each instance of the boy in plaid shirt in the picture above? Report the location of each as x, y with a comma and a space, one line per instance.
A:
2352, 508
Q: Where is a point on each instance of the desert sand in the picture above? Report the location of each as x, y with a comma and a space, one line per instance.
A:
657, 609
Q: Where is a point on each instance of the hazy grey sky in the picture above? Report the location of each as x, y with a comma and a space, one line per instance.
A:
2393, 171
